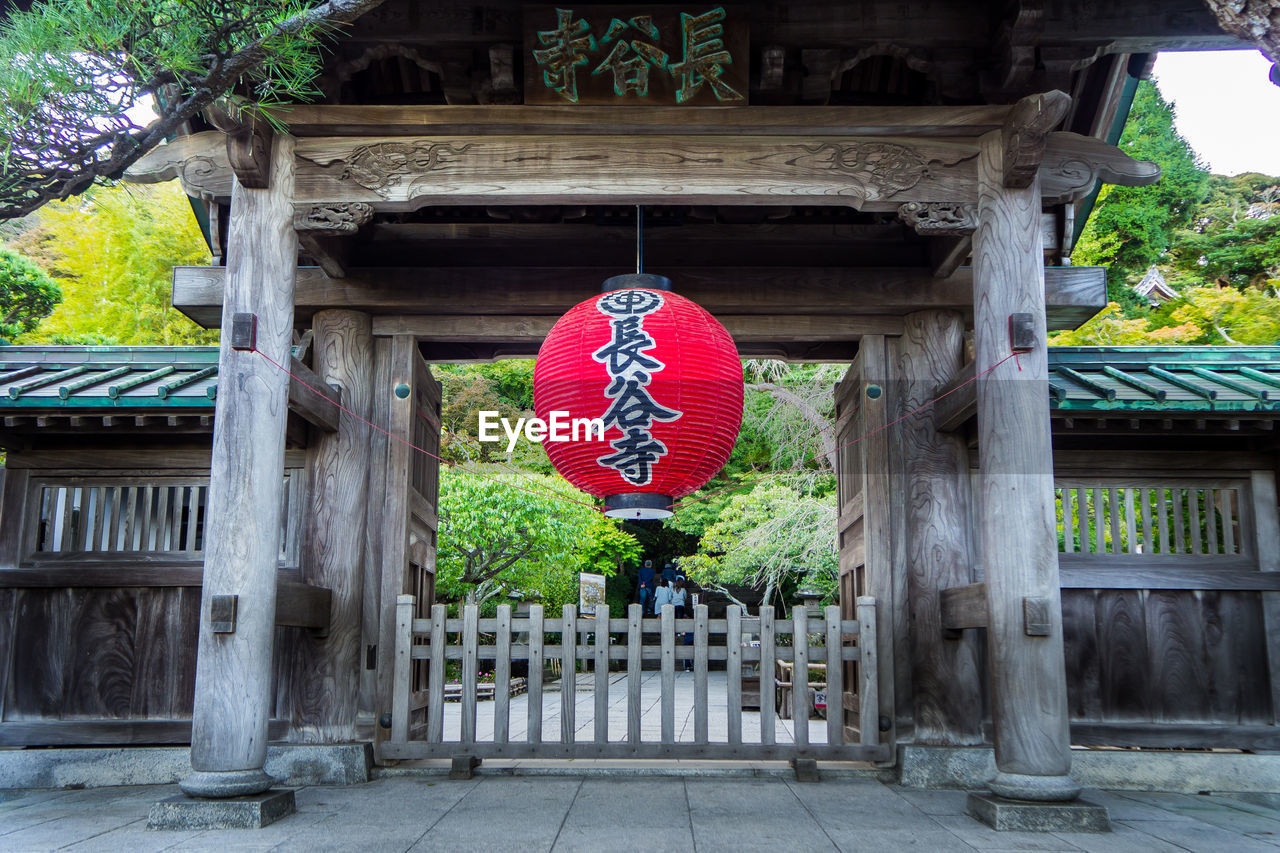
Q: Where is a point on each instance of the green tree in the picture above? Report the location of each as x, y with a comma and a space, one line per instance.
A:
774, 538
27, 294
70, 70
1132, 227
1111, 328
1234, 237
502, 531
112, 251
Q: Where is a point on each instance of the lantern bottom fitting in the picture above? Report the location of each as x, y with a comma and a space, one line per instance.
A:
638, 506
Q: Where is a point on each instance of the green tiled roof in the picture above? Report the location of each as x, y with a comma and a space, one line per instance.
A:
1093, 379
39, 377
1165, 379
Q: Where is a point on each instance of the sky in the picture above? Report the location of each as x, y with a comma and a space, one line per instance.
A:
1225, 107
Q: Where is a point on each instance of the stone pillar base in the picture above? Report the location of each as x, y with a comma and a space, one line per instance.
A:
1022, 816
252, 812
218, 784
1040, 789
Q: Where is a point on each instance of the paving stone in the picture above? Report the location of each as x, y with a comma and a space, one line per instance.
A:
751, 814
935, 802
1201, 837
1121, 839
976, 834
506, 813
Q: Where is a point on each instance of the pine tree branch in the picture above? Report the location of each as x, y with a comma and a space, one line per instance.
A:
56, 160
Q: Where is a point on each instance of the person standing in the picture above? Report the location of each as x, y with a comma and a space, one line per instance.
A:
644, 590
680, 598
661, 596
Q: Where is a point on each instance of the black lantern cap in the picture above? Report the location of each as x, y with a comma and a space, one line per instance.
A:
638, 506
646, 280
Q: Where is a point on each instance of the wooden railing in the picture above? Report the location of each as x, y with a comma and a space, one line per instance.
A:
417, 735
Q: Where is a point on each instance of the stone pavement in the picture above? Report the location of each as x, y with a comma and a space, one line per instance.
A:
565, 813
650, 712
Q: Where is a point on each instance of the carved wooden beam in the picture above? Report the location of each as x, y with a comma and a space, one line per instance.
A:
866, 173
1019, 31
933, 218
324, 230
536, 120
200, 161
1073, 164
1025, 133
870, 173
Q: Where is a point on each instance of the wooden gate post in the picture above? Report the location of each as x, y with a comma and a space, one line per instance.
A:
233, 697
328, 669
946, 690
1017, 534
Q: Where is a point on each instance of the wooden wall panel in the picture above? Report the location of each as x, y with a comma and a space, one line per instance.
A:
1238, 690
40, 638
1123, 657
1177, 667
98, 672
1166, 656
165, 658
7, 601
1079, 638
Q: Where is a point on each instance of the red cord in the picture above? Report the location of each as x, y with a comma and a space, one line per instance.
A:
797, 467
450, 463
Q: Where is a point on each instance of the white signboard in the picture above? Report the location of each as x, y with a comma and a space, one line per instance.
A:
590, 592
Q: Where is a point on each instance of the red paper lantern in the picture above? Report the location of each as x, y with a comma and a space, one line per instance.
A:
665, 378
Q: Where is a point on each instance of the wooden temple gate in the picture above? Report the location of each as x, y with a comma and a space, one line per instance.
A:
986, 181
460, 228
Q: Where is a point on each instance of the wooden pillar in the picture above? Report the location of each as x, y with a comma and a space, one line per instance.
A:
326, 670
1015, 520
946, 687
233, 698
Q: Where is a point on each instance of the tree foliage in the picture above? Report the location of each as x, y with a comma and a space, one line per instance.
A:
71, 71
1132, 227
503, 532
112, 251
771, 538
1234, 237
27, 294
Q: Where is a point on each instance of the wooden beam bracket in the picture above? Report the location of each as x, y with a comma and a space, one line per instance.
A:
963, 607
305, 398
222, 613
248, 143
1025, 133
300, 605
324, 230
957, 400
1035, 616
